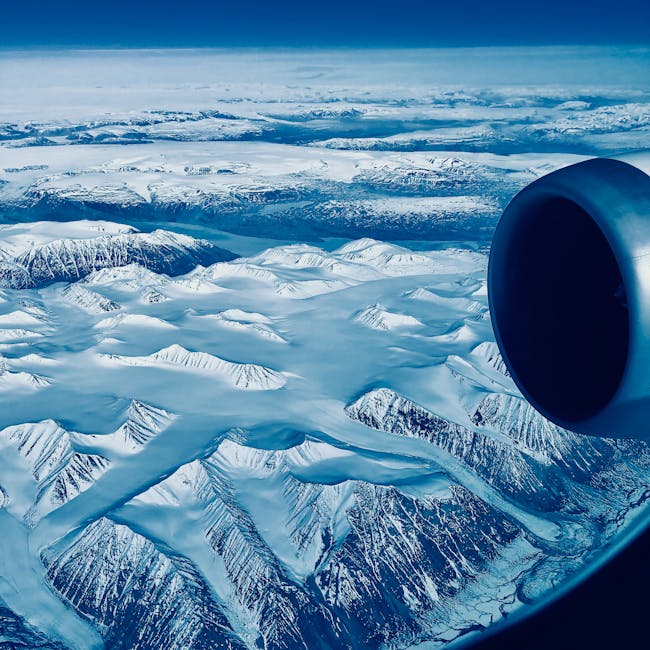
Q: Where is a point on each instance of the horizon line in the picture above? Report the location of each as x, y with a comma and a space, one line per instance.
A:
81, 47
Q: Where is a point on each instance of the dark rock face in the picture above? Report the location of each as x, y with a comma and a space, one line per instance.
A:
535, 463
16, 634
400, 560
140, 597
68, 260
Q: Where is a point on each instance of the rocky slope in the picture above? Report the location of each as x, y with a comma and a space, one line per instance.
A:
72, 259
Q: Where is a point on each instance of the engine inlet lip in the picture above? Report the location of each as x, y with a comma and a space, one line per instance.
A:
594, 186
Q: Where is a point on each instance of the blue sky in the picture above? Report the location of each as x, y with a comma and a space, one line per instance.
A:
322, 22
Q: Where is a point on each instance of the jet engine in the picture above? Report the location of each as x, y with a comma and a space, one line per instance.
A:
569, 295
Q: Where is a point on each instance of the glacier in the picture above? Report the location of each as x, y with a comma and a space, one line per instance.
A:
180, 483
249, 391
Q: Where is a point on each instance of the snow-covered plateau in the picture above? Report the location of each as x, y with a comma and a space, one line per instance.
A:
249, 391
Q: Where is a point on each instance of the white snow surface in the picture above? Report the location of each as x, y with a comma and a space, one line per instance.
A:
292, 406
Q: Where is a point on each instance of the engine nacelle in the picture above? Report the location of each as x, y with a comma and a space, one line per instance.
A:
569, 294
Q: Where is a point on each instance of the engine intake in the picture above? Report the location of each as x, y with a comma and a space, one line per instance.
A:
569, 294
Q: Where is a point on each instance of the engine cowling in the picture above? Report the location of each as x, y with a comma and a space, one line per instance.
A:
569, 295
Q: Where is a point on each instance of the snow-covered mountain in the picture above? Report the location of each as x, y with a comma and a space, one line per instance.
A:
244, 376
31, 263
311, 441
426, 149
406, 195
140, 596
240, 465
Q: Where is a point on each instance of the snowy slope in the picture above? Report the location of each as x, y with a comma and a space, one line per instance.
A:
266, 466
244, 376
29, 264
